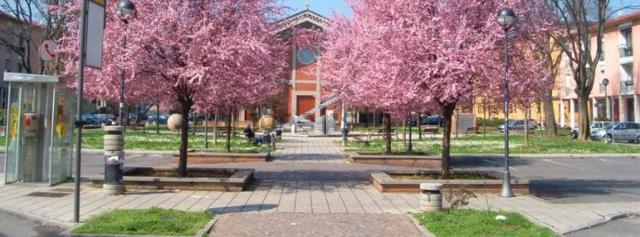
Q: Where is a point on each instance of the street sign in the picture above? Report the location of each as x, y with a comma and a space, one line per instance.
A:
48, 50
25, 77
95, 33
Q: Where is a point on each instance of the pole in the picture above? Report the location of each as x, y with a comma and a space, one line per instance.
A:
506, 178
83, 45
206, 131
158, 117
121, 111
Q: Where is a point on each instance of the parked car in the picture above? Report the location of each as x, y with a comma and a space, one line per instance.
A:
518, 125
162, 119
433, 120
105, 119
90, 119
625, 131
599, 129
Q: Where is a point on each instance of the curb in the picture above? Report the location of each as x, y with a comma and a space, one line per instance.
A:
420, 227
605, 220
550, 156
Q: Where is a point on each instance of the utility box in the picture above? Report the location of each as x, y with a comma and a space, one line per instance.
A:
39, 129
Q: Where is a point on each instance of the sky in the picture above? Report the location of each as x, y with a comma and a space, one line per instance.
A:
327, 7
323, 7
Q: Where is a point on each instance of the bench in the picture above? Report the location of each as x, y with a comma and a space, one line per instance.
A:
433, 130
475, 130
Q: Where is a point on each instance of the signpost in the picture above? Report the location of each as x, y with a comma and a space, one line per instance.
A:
91, 34
48, 50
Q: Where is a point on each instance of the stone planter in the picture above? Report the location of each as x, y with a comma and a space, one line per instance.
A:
209, 158
385, 182
210, 179
422, 161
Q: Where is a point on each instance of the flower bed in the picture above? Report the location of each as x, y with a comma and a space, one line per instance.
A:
477, 182
210, 179
423, 161
208, 158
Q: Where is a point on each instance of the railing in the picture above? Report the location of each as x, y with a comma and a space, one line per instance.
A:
626, 51
626, 86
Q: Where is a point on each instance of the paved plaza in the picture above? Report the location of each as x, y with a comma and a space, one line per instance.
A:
308, 182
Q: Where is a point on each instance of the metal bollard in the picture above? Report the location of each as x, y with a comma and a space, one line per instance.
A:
114, 160
430, 197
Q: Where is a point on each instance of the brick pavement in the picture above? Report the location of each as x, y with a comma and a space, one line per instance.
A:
308, 180
296, 224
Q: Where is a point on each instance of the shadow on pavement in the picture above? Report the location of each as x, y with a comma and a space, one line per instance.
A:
569, 188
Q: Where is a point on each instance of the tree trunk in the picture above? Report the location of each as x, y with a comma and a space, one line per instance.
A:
195, 123
419, 126
206, 131
583, 123
404, 134
484, 121
386, 119
549, 116
526, 126
158, 118
410, 147
184, 138
447, 113
227, 145
215, 129
374, 120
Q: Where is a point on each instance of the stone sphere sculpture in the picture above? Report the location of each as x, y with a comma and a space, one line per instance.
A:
267, 122
174, 123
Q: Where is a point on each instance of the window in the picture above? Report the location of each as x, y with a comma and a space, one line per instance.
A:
626, 78
626, 48
602, 77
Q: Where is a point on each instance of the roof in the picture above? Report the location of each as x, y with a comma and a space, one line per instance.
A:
614, 22
9, 17
302, 17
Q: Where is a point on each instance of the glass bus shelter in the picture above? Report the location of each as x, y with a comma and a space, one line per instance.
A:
39, 129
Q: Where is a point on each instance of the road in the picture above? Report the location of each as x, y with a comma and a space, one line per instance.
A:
12, 225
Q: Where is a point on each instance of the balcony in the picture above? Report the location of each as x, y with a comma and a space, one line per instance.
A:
626, 51
626, 86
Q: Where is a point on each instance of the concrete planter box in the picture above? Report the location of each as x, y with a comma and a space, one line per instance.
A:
384, 182
209, 158
210, 179
423, 161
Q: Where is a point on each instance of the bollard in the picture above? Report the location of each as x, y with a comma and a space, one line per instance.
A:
113, 160
430, 197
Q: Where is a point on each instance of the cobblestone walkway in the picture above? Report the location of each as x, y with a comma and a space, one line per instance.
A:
333, 225
308, 149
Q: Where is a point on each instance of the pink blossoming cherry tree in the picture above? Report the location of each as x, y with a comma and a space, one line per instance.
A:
206, 54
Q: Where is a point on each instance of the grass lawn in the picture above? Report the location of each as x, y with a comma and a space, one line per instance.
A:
493, 143
149, 140
154, 221
469, 223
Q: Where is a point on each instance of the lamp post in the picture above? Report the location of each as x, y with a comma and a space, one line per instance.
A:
125, 10
605, 83
506, 18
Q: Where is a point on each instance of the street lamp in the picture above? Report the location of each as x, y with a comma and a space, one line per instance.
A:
605, 83
506, 18
125, 10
